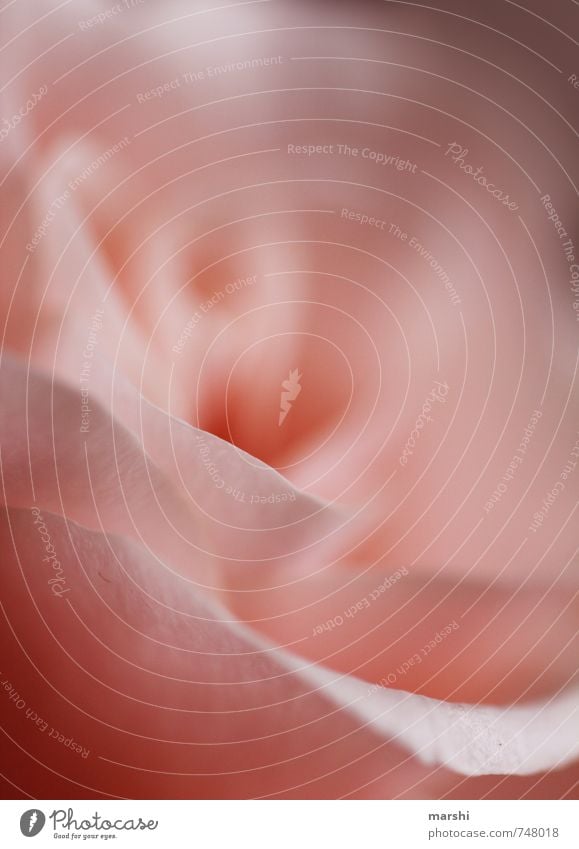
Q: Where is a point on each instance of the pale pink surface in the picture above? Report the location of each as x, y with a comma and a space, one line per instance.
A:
148, 664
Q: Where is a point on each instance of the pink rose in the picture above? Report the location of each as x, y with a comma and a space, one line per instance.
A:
289, 403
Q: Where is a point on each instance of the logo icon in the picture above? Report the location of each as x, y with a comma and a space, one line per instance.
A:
32, 822
292, 389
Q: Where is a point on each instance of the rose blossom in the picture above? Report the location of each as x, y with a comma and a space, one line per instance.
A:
260, 428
